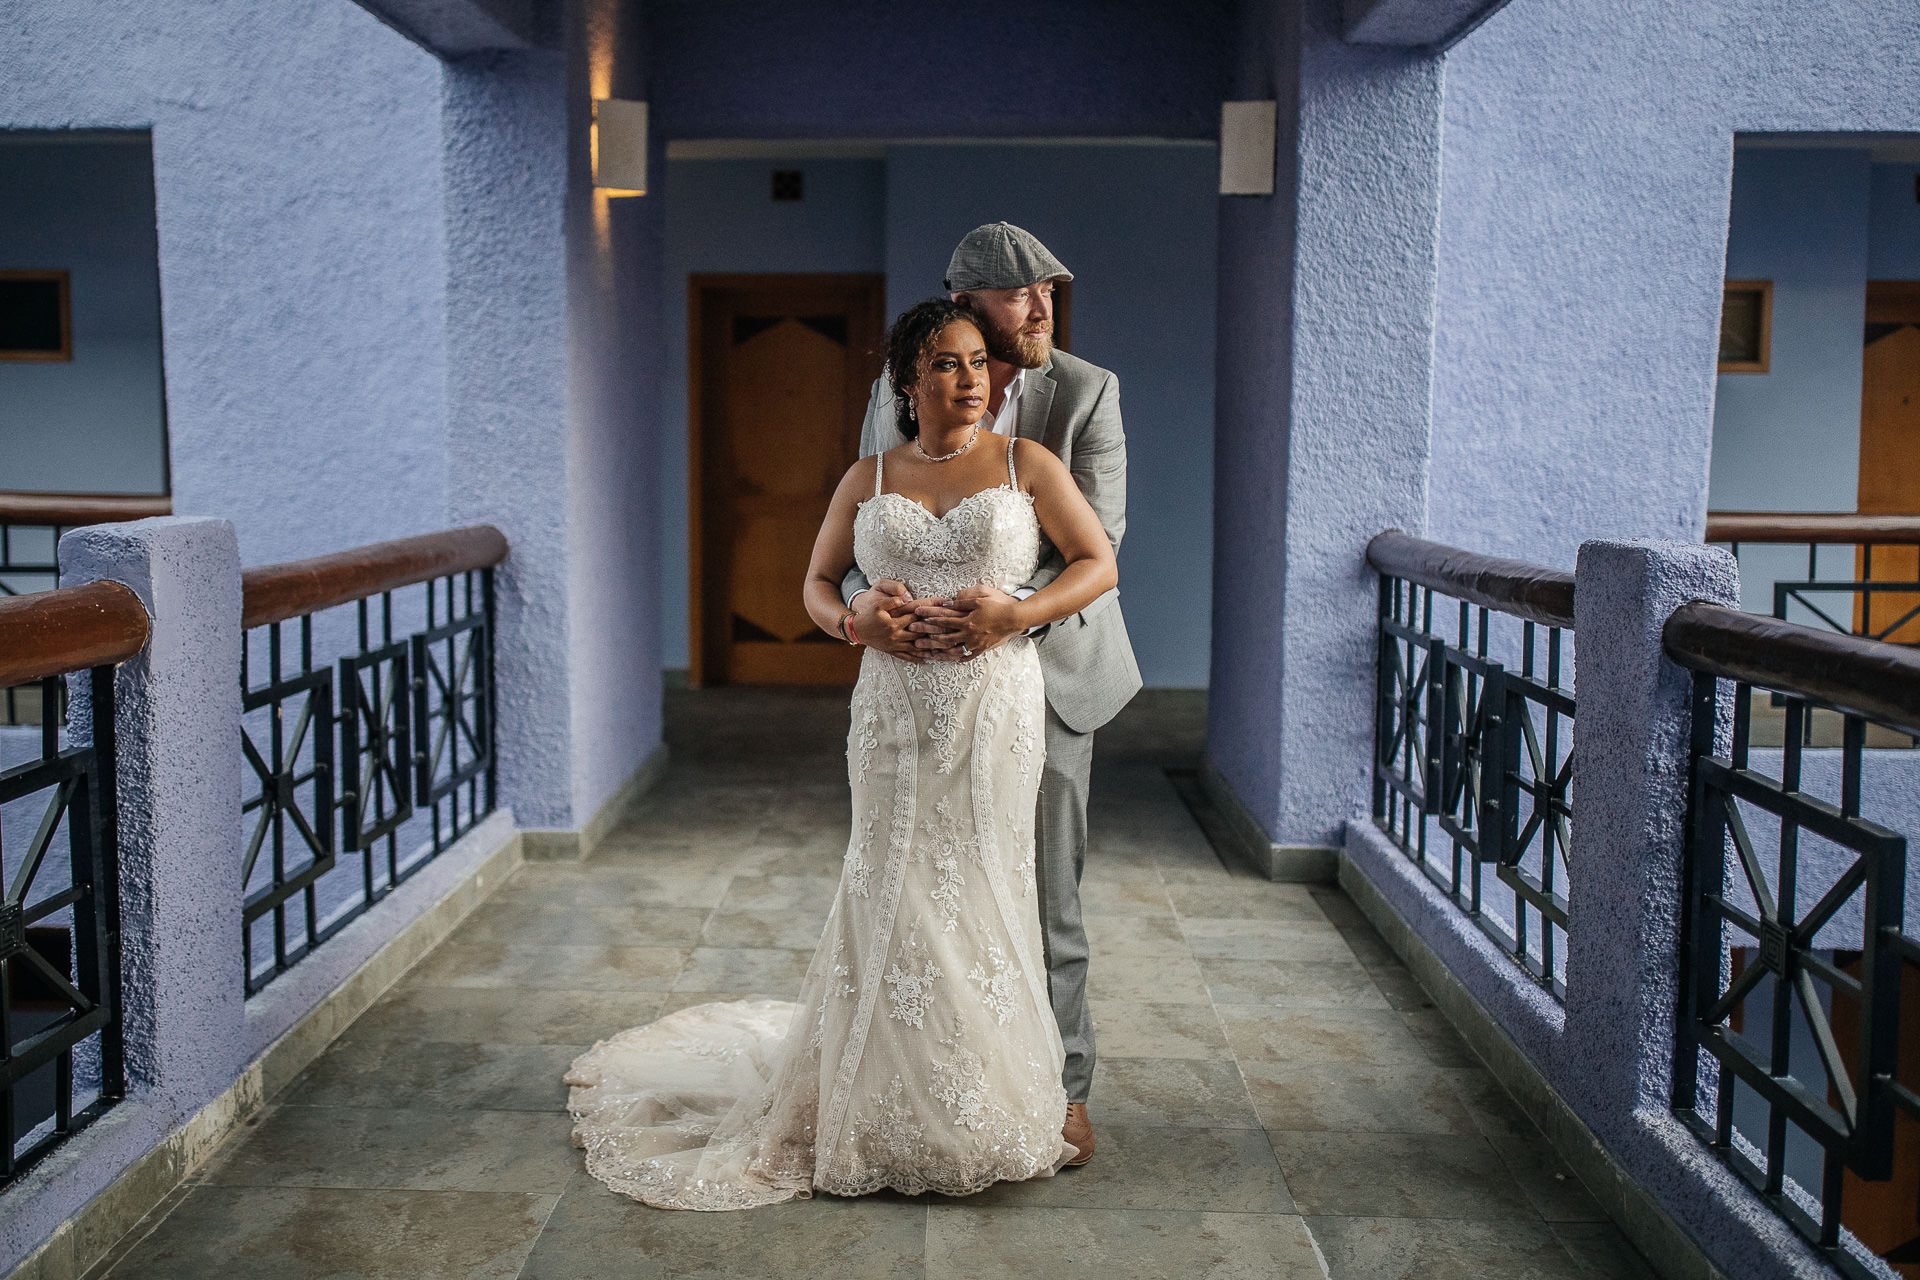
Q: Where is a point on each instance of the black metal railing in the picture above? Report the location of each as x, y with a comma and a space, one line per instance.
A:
60, 1045
385, 752
1861, 573
1474, 737
1797, 972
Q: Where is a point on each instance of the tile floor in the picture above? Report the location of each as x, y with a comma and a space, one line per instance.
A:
1275, 1095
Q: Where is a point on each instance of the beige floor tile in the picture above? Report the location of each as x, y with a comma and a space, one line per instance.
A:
1399, 987
1140, 1029
758, 969
1300, 984
1361, 1248
1212, 938
594, 1234
594, 883
415, 1150
1162, 979
441, 1075
522, 968
506, 1015
1124, 898
1443, 1045
1245, 899
1158, 1167
747, 893
1186, 1092
967, 1243
795, 930
1398, 1175
311, 1233
508, 920
1373, 1037
1601, 1252
1553, 1189
1113, 937
1488, 1102
1345, 1097
678, 1000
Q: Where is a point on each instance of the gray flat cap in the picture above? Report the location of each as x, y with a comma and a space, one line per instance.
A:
1001, 256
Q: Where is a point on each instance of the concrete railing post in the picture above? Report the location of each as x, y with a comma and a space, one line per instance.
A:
178, 730
1630, 770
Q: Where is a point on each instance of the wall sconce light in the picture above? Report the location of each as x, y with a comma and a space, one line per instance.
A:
1246, 148
620, 146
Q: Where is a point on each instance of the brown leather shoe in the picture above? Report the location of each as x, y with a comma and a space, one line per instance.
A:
1079, 1132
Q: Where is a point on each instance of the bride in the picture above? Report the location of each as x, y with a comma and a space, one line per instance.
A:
922, 1054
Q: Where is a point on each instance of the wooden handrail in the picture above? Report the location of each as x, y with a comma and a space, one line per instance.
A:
71, 510
1863, 677
1809, 527
276, 592
1529, 591
50, 633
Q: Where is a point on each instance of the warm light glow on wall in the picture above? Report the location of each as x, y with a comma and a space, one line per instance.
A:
619, 145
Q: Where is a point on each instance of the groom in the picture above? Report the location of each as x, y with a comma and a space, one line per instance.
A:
1073, 408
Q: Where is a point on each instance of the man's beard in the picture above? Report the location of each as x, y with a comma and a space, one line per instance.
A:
1021, 350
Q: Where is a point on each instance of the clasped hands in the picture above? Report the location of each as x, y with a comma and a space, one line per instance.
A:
887, 617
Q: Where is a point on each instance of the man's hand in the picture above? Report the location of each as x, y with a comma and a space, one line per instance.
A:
883, 617
976, 620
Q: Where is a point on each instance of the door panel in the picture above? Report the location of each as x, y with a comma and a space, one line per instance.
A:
782, 365
1890, 449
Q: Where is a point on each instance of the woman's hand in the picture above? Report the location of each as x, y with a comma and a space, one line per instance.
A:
883, 618
972, 622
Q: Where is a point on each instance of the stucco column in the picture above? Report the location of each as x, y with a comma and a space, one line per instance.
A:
177, 725
1323, 419
1630, 764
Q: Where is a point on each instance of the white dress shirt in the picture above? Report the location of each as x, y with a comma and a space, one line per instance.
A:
1007, 421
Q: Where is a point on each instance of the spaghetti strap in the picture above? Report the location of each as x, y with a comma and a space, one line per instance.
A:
879, 471
1013, 481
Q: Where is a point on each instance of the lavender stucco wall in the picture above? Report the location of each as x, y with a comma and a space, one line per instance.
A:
553, 331
297, 181
871, 68
1322, 406
1587, 161
614, 353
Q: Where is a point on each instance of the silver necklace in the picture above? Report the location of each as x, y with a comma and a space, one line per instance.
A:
949, 457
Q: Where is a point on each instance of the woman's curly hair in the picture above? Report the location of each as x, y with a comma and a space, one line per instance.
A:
910, 338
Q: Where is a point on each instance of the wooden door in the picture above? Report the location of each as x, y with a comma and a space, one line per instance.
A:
779, 370
1890, 446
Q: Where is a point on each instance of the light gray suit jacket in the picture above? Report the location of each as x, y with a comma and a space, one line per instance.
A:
1073, 408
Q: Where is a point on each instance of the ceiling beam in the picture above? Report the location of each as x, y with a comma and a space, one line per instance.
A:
454, 28
1431, 25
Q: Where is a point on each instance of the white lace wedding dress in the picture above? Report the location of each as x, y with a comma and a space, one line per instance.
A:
922, 1054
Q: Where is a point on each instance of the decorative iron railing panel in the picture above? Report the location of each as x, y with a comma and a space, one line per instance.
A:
1794, 950
60, 1047
1861, 574
289, 754
386, 753
1473, 766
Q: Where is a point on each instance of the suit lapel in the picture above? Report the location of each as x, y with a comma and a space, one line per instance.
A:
1036, 403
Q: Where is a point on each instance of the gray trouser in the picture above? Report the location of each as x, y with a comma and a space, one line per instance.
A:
1060, 834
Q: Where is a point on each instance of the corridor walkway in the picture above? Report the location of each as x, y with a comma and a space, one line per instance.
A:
1275, 1098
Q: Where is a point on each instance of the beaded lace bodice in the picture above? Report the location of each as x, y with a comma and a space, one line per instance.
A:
921, 1053
988, 538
